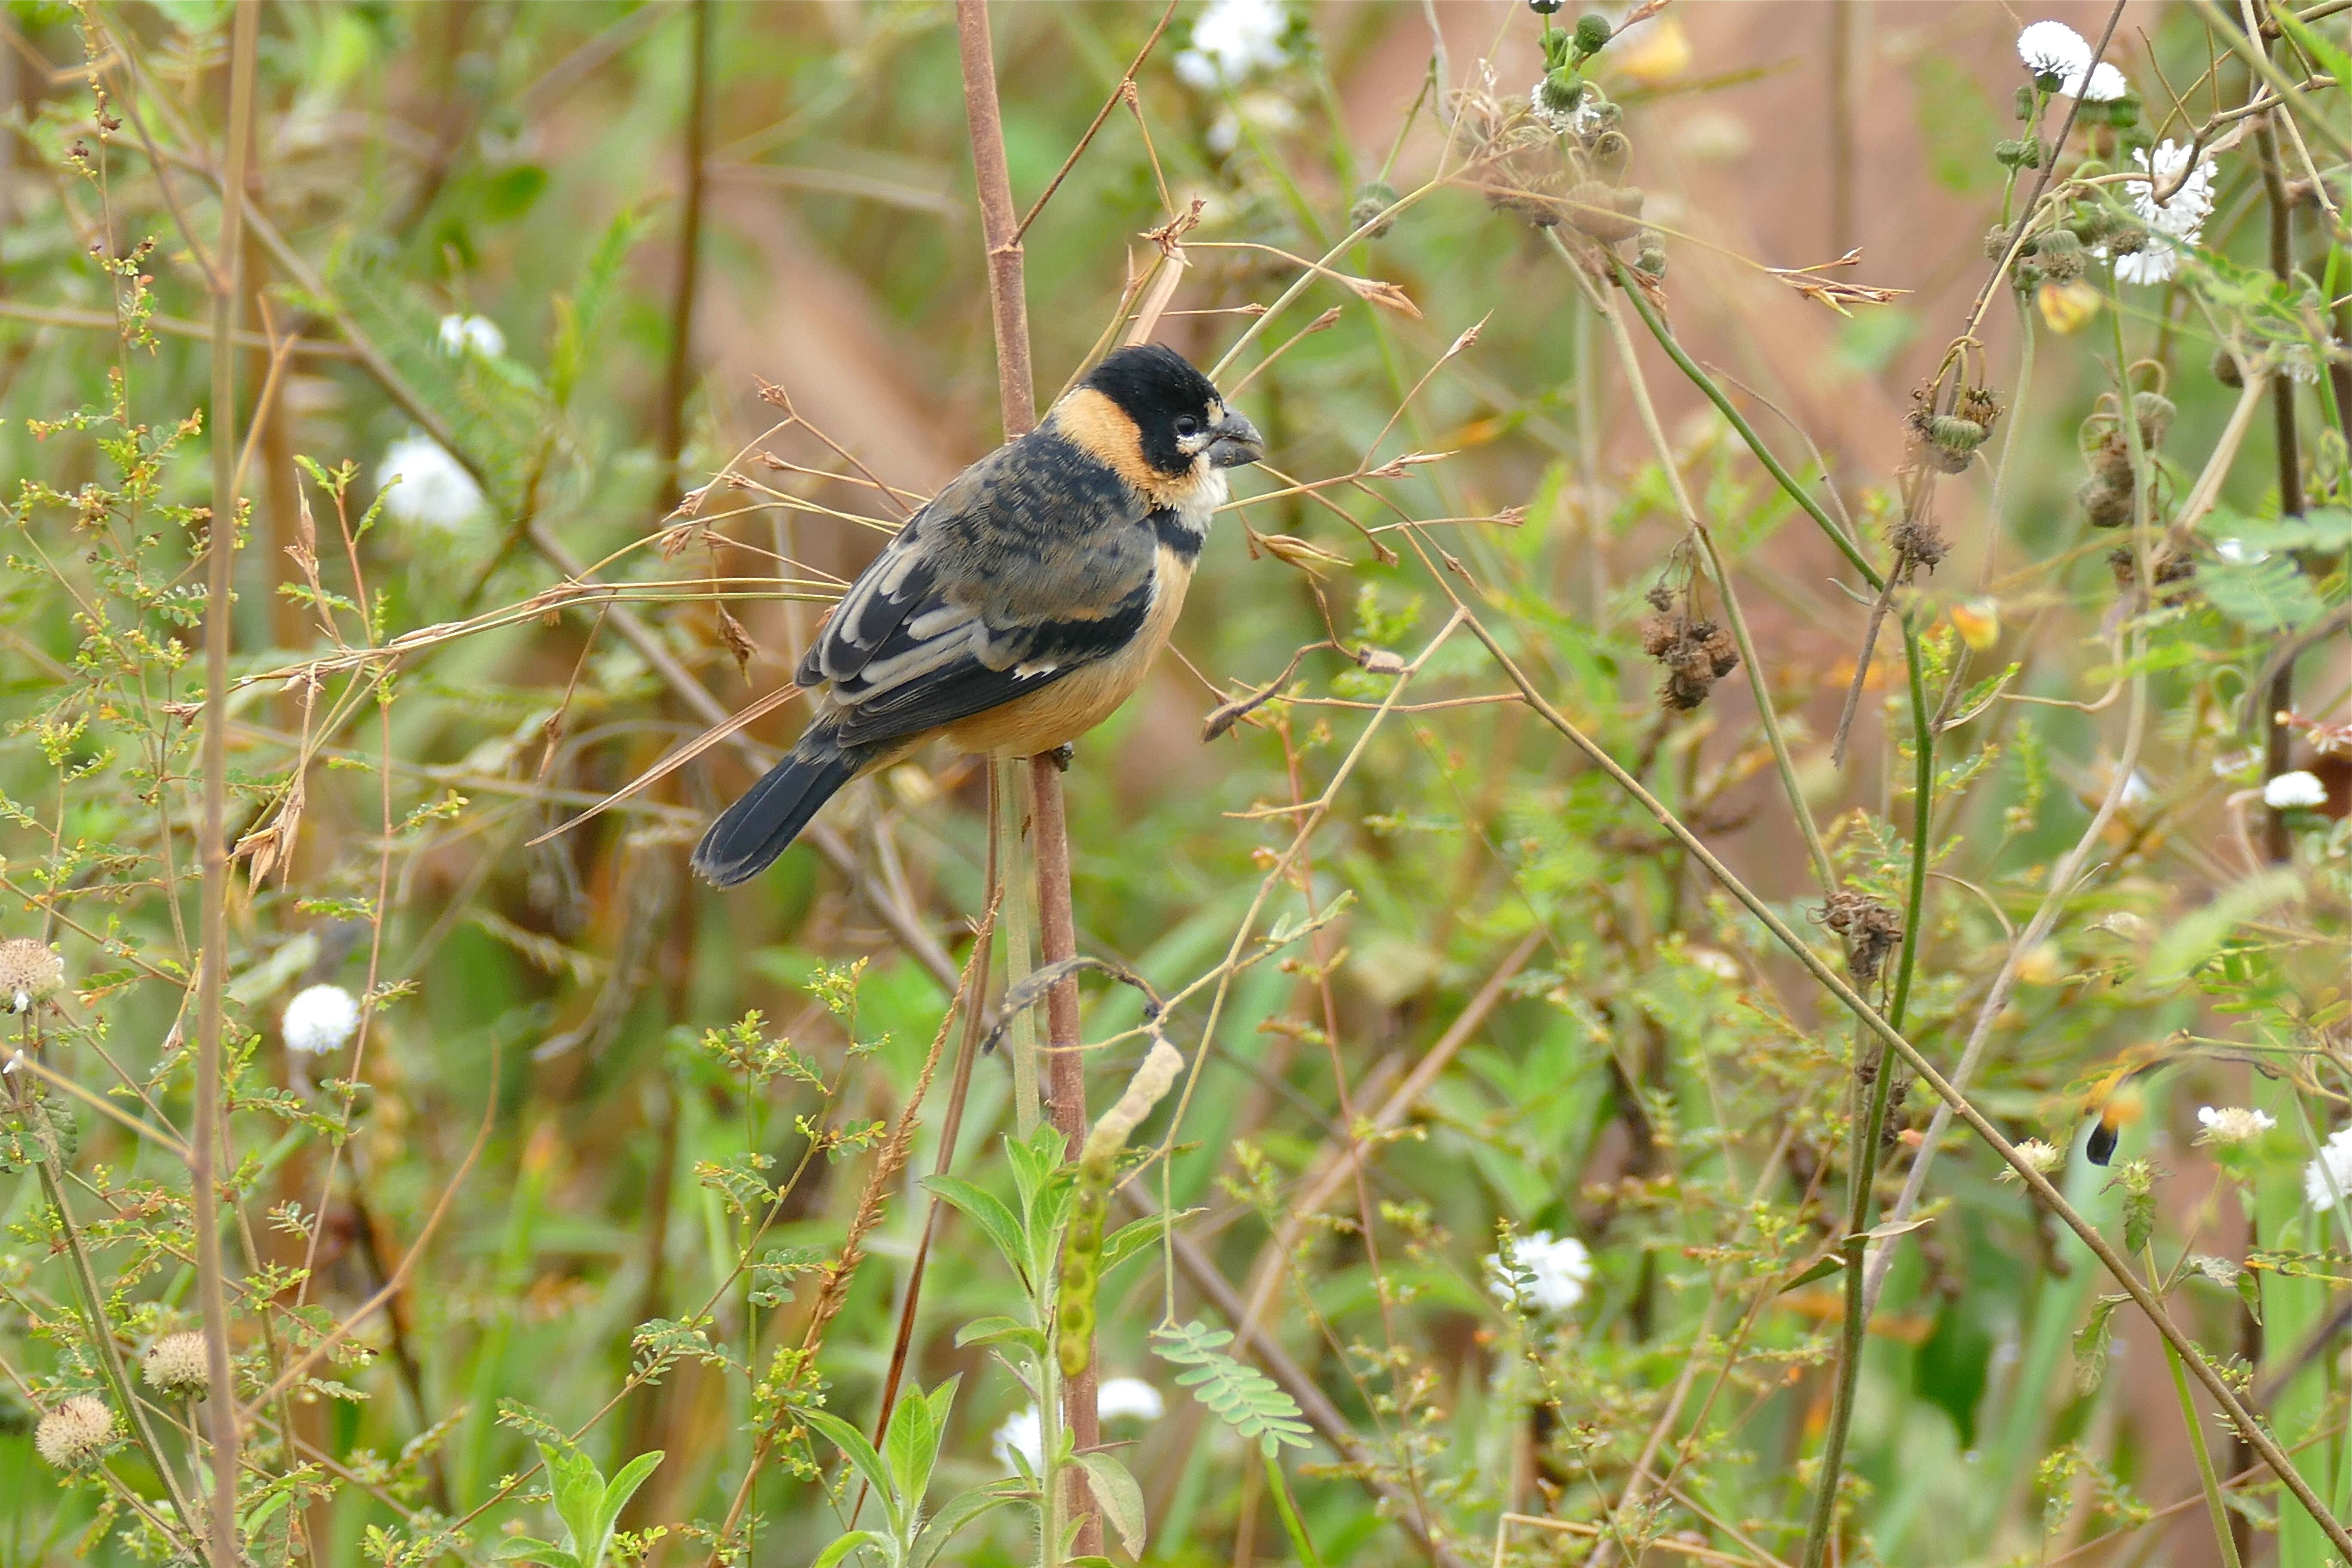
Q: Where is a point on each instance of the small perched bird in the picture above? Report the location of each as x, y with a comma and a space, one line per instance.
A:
1020, 607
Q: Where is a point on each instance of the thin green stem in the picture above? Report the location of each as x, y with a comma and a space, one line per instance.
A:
1278, 1486
2206, 1480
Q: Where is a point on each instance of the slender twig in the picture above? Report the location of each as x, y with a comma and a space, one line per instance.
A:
1126, 85
2277, 843
671, 441
213, 849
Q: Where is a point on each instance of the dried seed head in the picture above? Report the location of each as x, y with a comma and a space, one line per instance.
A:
2120, 563
2061, 255
176, 1363
2111, 461
1372, 201
2171, 570
1919, 542
75, 1433
2226, 369
2104, 504
2155, 413
1660, 597
30, 971
1606, 212
1870, 927
2127, 240
1979, 403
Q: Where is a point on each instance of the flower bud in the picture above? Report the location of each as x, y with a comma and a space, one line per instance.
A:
1651, 259
2122, 112
2022, 153
1954, 434
2024, 103
2226, 369
1592, 32
1372, 201
2103, 504
2061, 256
1561, 89
2127, 240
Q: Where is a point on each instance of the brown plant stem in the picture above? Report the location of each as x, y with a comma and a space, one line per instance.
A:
220, 549
1056, 926
2277, 846
671, 441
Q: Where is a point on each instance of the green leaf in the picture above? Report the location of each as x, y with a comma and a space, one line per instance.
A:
859, 1452
986, 1210
998, 1330
2191, 941
2271, 594
1033, 1160
1121, 1498
959, 1511
912, 1446
1243, 1397
1137, 1236
1821, 1270
579, 1491
2091, 1343
2331, 56
844, 1545
523, 1549
619, 1489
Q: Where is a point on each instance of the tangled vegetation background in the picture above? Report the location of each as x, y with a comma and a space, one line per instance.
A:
1750, 969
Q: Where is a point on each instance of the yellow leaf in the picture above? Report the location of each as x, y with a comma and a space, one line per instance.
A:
2067, 306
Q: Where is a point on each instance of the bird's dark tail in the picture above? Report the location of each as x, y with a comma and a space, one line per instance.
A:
750, 834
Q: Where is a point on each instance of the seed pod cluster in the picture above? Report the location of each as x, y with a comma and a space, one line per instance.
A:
2106, 496
1081, 1270
1870, 927
1949, 442
1695, 651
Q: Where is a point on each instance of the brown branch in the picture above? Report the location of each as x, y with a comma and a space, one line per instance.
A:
220, 549
672, 426
1126, 85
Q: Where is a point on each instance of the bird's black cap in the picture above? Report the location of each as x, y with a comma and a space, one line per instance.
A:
1152, 383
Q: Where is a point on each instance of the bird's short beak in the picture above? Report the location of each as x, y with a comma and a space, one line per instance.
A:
1237, 442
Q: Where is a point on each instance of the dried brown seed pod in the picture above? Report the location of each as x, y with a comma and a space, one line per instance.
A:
2104, 504
1870, 927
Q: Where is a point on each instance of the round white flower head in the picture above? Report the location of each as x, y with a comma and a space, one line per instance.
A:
462, 335
2039, 1153
1130, 1397
2053, 48
2297, 362
29, 969
2329, 1177
434, 490
2232, 1124
1231, 40
2157, 262
1023, 1434
2107, 85
2183, 211
320, 1019
2289, 791
1551, 1274
176, 1363
75, 1433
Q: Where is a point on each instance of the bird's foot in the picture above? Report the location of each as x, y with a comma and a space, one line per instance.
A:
1062, 756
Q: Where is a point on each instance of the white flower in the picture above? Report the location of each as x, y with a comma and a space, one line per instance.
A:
2156, 262
2184, 210
2329, 1177
178, 1364
320, 1019
2137, 791
1130, 1397
2237, 553
2107, 85
1550, 1275
2053, 48
2288, 791
76, 1432
434, 490
2299, 364
2230, 764
2233, 1123
2039, 1153
461, 336
1233, 39
1021, 1433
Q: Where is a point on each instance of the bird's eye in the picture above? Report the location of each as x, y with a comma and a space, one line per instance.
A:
1187, 426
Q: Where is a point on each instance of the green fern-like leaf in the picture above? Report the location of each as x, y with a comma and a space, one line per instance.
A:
1242, 1396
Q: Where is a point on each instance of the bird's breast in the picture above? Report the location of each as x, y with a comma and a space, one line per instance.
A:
1075, 704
